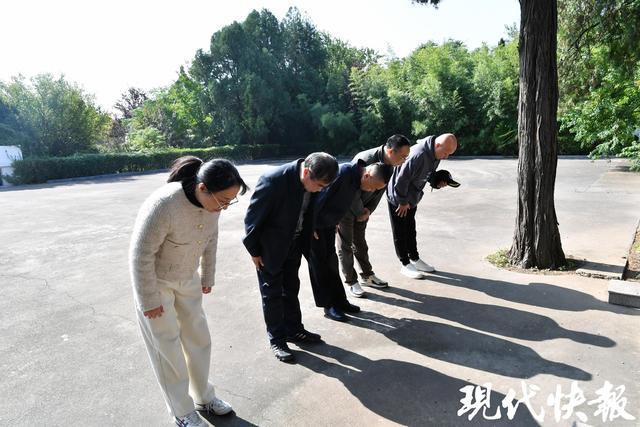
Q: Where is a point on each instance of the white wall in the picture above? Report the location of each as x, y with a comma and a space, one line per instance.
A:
8, 153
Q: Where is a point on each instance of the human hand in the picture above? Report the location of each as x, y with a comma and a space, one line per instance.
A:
206, 289
155, 312
402, 210
315, 235
257, 261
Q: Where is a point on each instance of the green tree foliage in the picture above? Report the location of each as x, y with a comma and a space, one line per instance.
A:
269, 82
130, 100
51, 117
243, 81
265, 81
147, 139
173, 116
600, 74
495, 80
443, 88
12, 131
341, 59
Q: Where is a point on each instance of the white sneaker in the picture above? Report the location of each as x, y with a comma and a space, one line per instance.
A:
216, 406
374, 281
356, 290
410, 270
420, 265
192, 419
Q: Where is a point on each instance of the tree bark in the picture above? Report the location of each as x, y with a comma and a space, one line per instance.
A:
536, 240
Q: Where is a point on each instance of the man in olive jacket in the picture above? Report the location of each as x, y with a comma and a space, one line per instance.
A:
352, 227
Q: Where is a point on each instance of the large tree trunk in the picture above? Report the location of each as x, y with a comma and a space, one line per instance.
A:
536, 241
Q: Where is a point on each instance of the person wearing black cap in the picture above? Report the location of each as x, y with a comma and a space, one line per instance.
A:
404, 192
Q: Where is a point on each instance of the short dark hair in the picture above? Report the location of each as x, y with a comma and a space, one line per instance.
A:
216, 174
397, 141
380, 171
322, 167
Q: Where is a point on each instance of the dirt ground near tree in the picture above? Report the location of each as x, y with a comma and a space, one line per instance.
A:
633, 261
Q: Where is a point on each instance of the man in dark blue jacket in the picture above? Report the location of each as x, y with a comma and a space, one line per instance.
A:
278, 226
331, 206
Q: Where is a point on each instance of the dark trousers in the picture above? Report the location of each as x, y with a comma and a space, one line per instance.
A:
352, 243
323, 270
404, 234
279, 291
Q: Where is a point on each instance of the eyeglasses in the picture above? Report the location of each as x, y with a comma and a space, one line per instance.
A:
224, 205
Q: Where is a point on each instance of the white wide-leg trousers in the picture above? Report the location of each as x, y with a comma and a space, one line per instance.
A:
179, 346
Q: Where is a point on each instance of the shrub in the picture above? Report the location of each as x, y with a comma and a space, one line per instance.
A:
37, 170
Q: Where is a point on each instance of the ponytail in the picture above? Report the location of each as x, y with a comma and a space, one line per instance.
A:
184, 169
215, 174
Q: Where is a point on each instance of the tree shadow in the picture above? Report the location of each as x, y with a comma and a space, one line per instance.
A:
598, 266
231, 420
466, 347
505, 321
536, 294
403, 392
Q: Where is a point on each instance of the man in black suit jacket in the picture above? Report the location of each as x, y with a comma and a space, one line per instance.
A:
331, 206
278, 226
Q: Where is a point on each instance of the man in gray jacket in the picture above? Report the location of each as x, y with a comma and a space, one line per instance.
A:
351, 229
404, 192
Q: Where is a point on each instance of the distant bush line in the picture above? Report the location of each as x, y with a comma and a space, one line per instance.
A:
42, 169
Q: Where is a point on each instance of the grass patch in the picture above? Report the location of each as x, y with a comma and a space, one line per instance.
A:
500, 258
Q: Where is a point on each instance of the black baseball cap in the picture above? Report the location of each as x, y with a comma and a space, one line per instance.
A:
442, 175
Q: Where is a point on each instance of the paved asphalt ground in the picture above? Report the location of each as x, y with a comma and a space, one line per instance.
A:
71, 353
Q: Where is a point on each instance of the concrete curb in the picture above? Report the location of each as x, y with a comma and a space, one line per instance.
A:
625, 293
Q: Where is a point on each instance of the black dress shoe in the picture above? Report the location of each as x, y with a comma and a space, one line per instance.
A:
282, 352
304, 336
334, 313
347, 307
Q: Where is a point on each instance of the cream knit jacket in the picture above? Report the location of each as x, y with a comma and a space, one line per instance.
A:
170, 238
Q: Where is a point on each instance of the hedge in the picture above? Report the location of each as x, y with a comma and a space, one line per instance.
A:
37, 170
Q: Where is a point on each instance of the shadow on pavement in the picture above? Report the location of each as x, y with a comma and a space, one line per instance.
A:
505, 321
403, 392
226, 420
536, 294
599, 266
467, 348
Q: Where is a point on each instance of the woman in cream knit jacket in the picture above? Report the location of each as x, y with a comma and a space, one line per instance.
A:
175, 232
